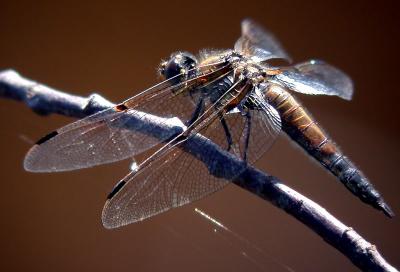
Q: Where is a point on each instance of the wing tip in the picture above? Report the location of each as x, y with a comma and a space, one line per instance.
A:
29, 160
33, 162
111, 218
247, 20
248, 23
107, 221
348, 97
32, 157
349, 94
28, 167
107, 224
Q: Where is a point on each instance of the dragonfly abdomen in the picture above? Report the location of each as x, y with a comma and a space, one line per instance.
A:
302, 128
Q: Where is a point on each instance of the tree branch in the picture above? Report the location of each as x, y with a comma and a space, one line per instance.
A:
44, 100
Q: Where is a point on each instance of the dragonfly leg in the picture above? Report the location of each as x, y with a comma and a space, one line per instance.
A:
247, 135
227, 132
197, 112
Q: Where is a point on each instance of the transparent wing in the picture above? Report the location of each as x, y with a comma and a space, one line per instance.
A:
260, 43
317, 77
122, 131
265, 126
198, 167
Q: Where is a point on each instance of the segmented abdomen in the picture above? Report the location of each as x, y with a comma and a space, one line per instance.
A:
302, 128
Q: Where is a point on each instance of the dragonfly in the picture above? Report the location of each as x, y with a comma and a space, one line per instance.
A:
211, 117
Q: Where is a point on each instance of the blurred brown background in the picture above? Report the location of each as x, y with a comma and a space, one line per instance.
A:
51, 222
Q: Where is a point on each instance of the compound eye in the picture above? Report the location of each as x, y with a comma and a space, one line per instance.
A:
179, 63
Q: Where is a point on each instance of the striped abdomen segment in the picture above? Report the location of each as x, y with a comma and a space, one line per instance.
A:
303, 129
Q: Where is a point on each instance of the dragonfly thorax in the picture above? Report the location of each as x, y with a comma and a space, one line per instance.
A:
246, 67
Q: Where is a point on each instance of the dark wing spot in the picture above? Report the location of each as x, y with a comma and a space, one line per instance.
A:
47, 137
116, 189
121, 107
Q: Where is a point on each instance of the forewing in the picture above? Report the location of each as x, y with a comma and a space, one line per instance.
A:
201, 165
260, 43
317, 77
119, 132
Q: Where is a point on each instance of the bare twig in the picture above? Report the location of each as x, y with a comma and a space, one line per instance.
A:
45, 100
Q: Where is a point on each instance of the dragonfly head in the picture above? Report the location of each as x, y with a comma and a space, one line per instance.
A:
178, 63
